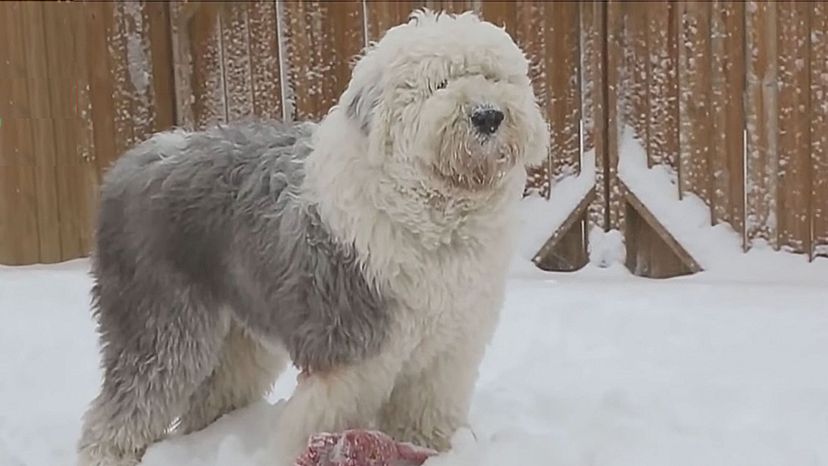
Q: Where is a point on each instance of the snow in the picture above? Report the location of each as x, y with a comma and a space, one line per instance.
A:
596, 367
717, 248
548, 215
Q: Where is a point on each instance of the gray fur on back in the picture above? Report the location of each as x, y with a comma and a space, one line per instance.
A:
217, 216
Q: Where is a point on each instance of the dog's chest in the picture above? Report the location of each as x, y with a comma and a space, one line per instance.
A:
449, 291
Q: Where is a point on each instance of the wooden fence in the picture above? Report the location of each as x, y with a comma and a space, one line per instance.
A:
730, 96
733, 98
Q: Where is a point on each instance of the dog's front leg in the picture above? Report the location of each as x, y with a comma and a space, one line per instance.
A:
334, 400
428, 407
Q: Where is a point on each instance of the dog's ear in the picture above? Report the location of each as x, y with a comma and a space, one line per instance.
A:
361, 104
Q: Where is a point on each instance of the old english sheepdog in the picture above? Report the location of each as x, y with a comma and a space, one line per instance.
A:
369, 250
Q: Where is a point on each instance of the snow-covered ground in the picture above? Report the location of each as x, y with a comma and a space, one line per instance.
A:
728, 367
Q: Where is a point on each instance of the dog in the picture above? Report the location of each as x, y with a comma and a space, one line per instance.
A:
369, 249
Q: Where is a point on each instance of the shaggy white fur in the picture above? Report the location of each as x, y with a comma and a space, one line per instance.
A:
428, 202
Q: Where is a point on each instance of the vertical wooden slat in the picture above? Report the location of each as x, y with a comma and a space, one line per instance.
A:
597, 55
264, 59
19, 242
503, 14
347, 43
587, 64
198, 64
85, 167
99, 26
135, 87
819, 130
727, 112
161, 64
531, 35
180, 15
318, 74
694, 96
794, 126
63, 91
636, 57
563, 70
75, 168
563, 55
116, 39
761, 122
662, 85
299, 60
48, 216
450, 6
235, 53
384, 15
614, 117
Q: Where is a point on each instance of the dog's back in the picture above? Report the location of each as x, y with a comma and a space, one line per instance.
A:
173, 201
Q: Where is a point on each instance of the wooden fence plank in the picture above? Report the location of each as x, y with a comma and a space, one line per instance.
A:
199, 75
347, 42
727, 112
761, 122
48, 215
75, 167
450, 6
180, 15
794, 127
563, 60
819, 130
694, 97
235, 56
100, 17
597, 56
636, 106
117, 43
384, 15
589, 43
160, 64
319, 74
503, 14
87, 181
615, 116
134, 88
264, 59
563, 71
19, 242
662, 85
531, 36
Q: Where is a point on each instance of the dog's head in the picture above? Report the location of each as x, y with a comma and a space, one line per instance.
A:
449, 98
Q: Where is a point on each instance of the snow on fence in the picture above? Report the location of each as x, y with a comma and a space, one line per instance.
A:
728, 97
744, 122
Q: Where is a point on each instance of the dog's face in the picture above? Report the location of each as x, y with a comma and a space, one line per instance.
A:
449, 98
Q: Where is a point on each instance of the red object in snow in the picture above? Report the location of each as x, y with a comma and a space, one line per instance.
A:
361, 448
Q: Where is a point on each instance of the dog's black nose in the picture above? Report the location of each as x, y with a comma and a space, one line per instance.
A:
487, 121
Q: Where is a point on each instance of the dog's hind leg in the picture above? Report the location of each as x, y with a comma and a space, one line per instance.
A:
245, 373
156, 352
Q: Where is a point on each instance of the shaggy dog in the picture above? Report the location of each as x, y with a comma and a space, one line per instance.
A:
370, 250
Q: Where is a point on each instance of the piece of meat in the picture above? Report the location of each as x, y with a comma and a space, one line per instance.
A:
361, 448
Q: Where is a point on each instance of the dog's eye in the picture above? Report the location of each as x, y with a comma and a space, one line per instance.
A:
441, 85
